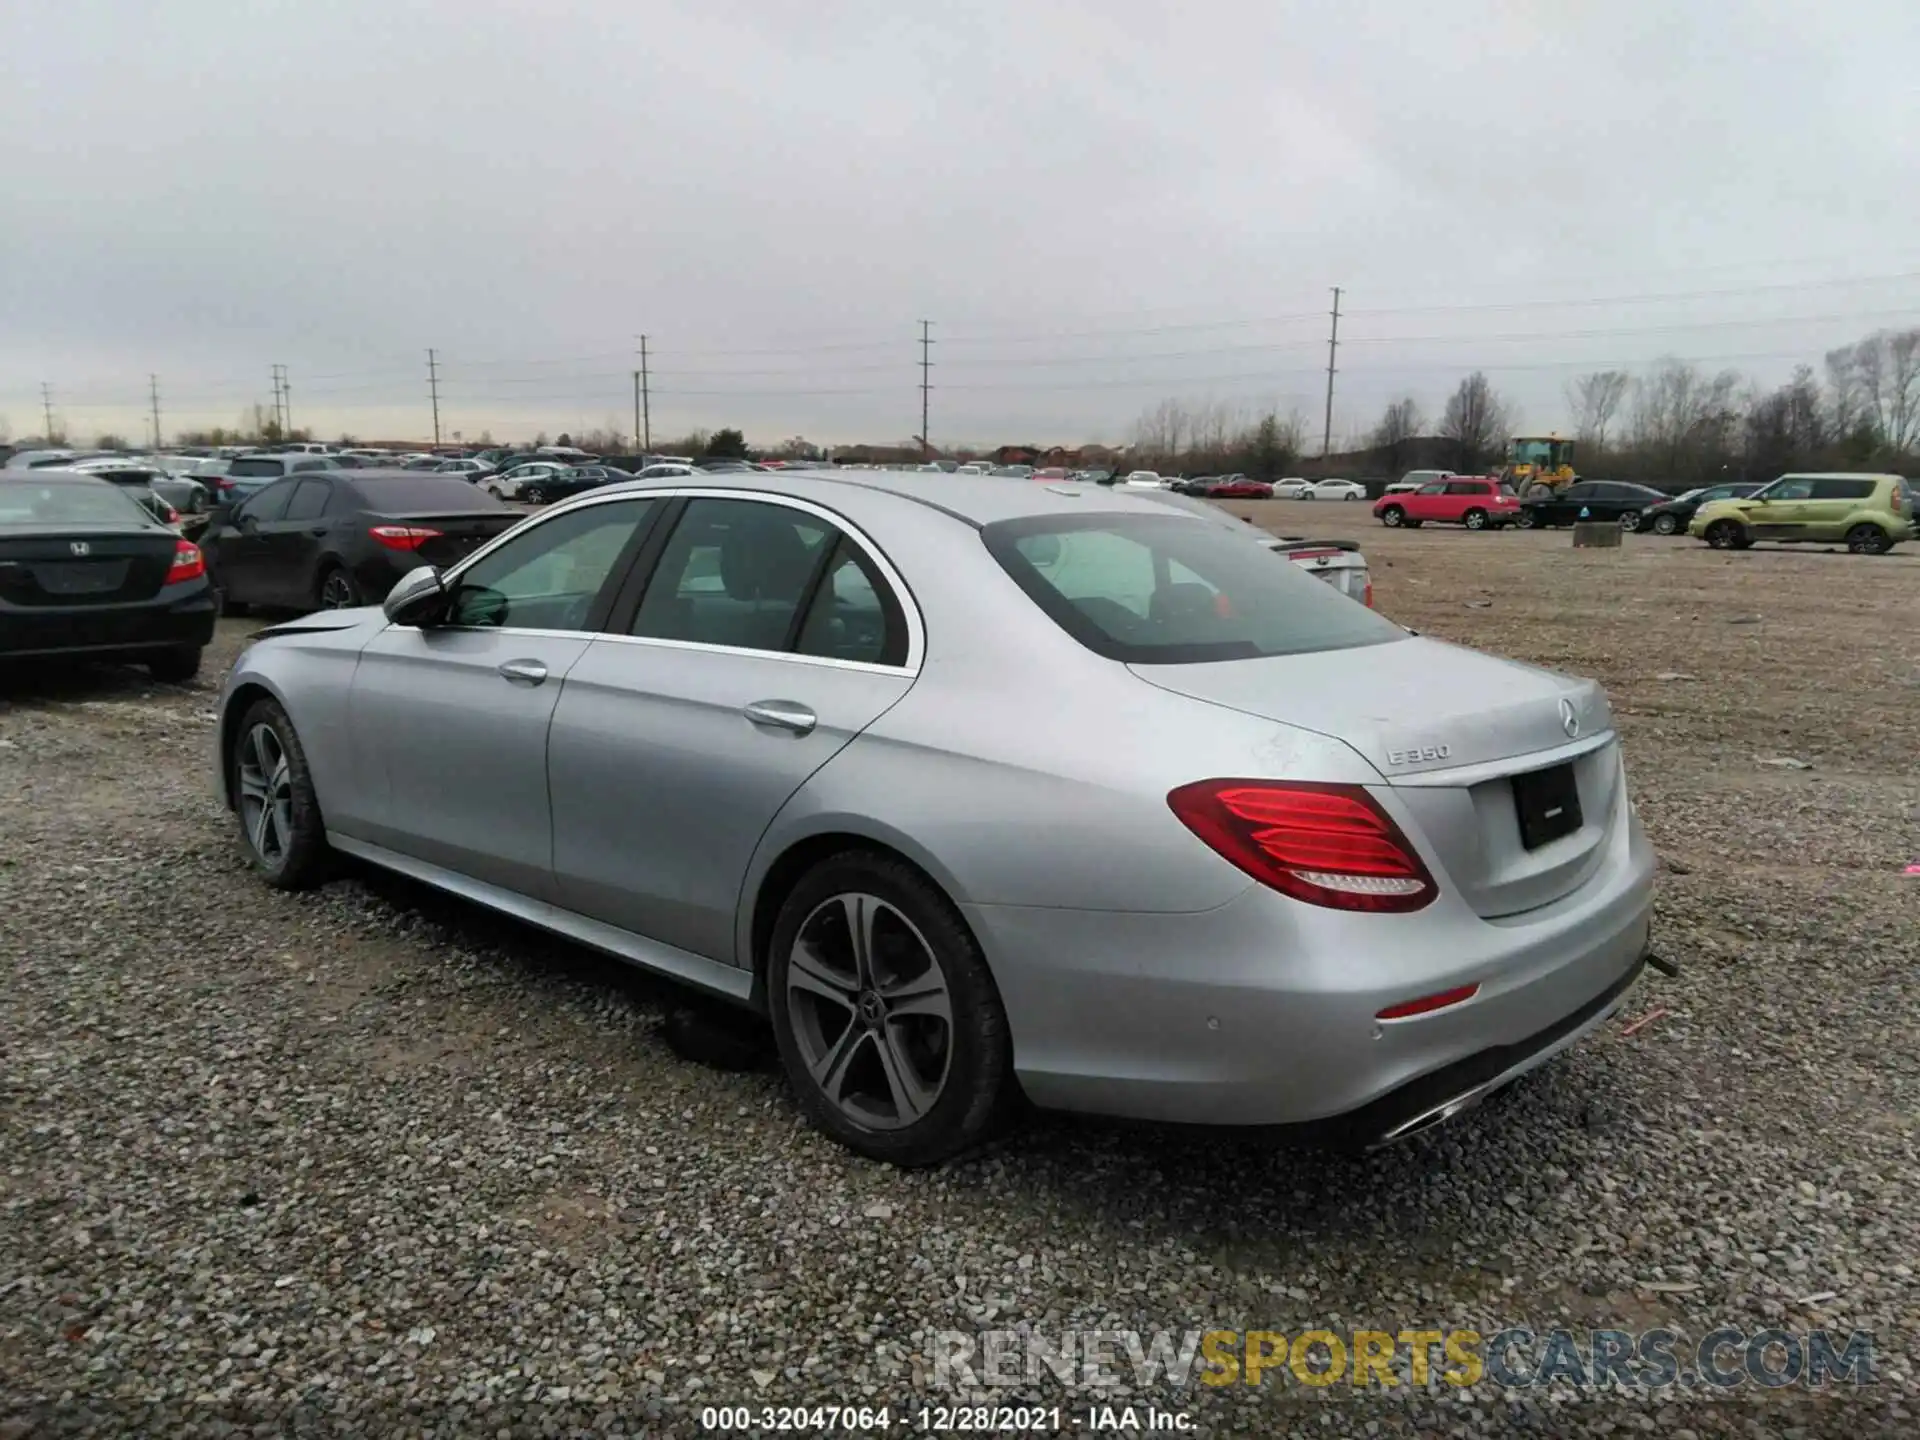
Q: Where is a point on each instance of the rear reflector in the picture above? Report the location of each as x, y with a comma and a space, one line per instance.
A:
1329, 845
403, 537
1427, 1004
188, 563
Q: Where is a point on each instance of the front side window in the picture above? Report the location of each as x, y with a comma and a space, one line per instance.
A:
1439, 487
269, 504
1169, 591
1787, 488
735, 573
548, 577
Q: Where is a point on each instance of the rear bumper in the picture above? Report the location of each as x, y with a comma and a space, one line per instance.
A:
108, 632
1263, 1012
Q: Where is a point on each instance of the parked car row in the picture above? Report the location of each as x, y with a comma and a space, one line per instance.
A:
1868, 513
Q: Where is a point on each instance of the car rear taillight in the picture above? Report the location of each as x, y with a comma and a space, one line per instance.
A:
1328, 845
403, 537
188, 563
223, 483
173, 516
1369, 592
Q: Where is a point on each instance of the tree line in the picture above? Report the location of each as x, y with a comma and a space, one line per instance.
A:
1674, 424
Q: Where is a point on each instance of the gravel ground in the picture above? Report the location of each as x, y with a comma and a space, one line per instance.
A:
372, 1161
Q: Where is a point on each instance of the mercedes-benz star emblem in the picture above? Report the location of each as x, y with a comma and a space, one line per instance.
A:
1569, 719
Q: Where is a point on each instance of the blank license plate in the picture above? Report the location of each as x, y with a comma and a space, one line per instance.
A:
1548, 802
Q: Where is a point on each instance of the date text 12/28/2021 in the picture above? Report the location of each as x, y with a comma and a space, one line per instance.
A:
946, 1419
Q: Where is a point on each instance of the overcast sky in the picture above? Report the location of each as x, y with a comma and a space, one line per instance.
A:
1099, 204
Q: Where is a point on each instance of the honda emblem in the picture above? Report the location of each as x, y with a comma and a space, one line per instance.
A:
80, 547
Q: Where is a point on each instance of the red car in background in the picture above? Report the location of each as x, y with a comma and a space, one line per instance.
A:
1240, 490
1479, 502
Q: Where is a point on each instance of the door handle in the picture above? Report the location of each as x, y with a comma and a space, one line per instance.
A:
782, 715
523, 672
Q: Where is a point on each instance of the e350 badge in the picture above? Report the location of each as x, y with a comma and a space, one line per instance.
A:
1417, 754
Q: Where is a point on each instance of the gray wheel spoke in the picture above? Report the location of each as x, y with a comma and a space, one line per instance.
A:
262, 822
806, 972
911, 1098
830, 1071
860, 911
925, 994
252, 785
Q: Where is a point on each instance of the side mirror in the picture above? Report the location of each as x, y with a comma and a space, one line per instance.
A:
419, 599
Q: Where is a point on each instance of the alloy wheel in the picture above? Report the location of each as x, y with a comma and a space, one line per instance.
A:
1665, 524
266, 795
337, 592
1630, 520
870, 1011
1524, 520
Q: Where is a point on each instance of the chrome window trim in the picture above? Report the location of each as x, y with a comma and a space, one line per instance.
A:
909, 606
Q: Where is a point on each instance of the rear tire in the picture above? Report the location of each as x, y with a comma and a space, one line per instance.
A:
281, 830
1393, 517
1525, 520
1868, 539
175, 666
336, 590
1474, 519
1665, 524
904, 1029
1727, 535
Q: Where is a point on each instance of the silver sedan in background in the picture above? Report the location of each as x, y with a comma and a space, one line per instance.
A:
977, 789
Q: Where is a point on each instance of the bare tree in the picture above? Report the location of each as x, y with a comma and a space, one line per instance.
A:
1399, 424
1683, 422
1476, 420
1594, 400
1886, 369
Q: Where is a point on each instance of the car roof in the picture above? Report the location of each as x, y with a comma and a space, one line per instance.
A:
976, 499
1838, 475
57, 475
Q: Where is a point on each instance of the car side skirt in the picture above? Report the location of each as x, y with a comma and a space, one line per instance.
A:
729, 982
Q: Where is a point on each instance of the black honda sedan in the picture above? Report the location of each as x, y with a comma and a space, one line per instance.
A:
1615, 500
86, 572
570, 482
331, 539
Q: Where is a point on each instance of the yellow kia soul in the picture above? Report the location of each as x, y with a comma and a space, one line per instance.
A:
1871, 513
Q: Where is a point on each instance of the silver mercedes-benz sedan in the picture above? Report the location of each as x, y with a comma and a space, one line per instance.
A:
976, 789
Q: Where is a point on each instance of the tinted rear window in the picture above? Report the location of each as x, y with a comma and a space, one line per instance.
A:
422, 490
1170, 591
257, 466
67, 503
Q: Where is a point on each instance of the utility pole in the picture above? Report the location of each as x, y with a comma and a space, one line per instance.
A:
279, 405
153, 392
926, 366
286, 405
646, 402
433, 389
638, 444
46, 404
1333, 344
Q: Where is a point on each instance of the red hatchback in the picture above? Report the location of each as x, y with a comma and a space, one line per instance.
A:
1479, 502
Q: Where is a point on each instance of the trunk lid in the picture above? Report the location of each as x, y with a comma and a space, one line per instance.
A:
461, 532
1449, 730
67, 566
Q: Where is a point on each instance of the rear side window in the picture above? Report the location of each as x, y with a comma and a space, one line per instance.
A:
1468, 487
853, 614
1843, 489
1170, 591
309, 500
257, 467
